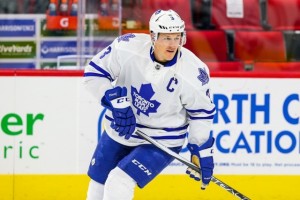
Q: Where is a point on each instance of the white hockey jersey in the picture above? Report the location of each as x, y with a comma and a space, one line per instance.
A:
168, 100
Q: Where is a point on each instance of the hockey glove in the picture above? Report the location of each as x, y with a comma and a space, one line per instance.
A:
117, 101
202, 156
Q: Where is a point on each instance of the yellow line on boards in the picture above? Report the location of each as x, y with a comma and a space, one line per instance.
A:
164, 187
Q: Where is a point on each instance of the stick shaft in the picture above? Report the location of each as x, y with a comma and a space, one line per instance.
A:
190, 164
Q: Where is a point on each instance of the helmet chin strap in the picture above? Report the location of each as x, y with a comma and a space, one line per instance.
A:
153, 44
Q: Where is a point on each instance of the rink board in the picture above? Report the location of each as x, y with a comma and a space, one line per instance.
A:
45, 156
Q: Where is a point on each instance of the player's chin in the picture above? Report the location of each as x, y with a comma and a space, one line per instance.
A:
170, 56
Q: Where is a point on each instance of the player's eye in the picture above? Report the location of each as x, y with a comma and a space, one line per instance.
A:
170, 39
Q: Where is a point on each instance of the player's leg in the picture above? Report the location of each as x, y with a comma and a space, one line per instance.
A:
139, 167
145, 162
119, 185
95, 190
106, 157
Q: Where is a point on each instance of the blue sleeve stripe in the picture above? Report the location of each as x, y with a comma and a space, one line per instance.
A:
165, 129
208, 117
202, 110
165, 137
98, 68
95, 74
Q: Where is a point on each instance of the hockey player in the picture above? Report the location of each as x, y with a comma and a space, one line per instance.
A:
152, 83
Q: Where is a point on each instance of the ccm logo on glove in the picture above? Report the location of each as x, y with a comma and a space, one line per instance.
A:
118, 103
121, 102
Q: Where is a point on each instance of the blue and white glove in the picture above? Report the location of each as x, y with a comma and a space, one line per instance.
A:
117, 101
202, 156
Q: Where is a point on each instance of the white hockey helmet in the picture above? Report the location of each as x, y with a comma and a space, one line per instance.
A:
166, 21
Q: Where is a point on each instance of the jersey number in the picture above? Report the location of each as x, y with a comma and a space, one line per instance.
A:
108, 50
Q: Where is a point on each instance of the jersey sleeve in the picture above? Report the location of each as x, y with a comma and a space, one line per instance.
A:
102, 70
198, 104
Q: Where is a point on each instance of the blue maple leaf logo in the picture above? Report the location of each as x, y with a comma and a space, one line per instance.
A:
142, 100
126, 37
203, 77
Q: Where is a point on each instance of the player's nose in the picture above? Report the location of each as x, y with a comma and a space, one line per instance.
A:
173, 43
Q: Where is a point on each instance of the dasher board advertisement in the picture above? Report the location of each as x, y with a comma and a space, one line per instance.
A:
51, 124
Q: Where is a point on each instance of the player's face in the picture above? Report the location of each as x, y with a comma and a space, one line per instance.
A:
166, 46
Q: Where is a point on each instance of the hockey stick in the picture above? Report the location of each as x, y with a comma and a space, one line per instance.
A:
191, 165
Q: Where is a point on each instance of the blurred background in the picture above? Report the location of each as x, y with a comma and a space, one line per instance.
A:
228, 35
50, 125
